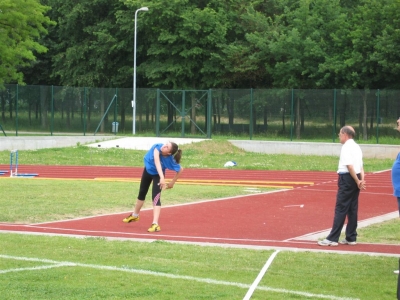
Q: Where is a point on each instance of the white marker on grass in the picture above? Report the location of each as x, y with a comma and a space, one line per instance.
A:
260, 276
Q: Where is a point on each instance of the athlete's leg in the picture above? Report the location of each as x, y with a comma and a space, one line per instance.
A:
143, 189
156, 194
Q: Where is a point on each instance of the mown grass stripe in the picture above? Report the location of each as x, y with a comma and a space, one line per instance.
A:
184, 277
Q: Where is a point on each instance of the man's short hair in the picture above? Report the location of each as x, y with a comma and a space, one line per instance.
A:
349, 131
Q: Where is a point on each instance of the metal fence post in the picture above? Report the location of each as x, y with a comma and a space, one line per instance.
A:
183, 114
251, 114
377, 115
84, 111
116, 109
209, 114
52, 111
334, 116
16, 111
291, 116
158, 113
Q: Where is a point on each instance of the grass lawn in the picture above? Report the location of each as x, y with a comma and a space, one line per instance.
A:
50, 267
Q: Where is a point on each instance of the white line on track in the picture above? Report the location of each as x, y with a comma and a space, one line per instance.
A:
314, 236
168, 206
160, 274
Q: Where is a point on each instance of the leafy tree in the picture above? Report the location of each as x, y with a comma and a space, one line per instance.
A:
287, 45
387, 44
22, 23
303, 42
362, 62
223, 44
180, 39
180, 44
244, 58
90, 46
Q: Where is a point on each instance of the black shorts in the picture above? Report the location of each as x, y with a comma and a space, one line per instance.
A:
145, 182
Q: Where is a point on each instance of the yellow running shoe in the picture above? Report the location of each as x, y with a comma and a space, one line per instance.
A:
130, 218
154, 228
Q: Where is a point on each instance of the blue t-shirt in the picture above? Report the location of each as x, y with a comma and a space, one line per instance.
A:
167, 162
396, 176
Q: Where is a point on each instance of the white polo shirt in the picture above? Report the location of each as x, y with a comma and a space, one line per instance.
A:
350, 154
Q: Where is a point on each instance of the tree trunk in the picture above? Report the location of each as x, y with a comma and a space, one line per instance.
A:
102, 109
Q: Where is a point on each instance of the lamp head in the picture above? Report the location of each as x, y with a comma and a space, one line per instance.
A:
144, 8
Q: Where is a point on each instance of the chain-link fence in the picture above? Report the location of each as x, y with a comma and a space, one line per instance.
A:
280, 114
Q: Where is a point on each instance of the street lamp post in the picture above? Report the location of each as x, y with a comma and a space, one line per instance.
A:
134, 72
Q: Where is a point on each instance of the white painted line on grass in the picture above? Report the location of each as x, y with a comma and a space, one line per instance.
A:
260, 276
160, 274
36, 268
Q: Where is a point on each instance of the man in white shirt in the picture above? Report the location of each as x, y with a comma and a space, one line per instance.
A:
350, 182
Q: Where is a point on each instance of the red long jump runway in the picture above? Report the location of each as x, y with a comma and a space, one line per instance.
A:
278, 219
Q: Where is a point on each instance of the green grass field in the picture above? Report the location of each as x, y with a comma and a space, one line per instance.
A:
44, 267
61, 267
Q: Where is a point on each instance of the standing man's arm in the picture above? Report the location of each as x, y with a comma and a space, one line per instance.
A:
360, 182
362, 185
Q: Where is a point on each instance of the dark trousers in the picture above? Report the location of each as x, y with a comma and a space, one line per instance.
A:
346, 205
145, 183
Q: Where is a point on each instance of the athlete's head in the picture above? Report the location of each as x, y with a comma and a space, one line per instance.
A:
171, 148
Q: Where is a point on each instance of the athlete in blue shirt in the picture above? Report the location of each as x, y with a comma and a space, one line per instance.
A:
159, 158
396, 174
396, 185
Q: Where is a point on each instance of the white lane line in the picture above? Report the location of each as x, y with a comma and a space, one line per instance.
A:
315, 236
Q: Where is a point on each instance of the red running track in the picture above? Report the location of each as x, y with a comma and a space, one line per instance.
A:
280, 219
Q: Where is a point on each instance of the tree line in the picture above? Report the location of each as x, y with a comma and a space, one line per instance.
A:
197, 44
